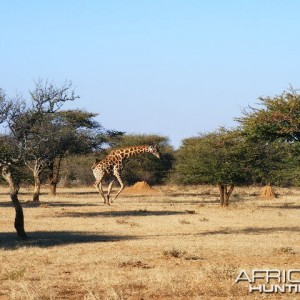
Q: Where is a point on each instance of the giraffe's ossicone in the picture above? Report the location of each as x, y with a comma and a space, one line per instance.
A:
112, 164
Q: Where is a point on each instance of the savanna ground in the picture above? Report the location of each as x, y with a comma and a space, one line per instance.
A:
177, 244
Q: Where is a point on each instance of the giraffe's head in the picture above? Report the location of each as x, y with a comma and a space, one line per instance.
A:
153, 149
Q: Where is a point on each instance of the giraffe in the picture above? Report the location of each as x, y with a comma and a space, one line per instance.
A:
112, 164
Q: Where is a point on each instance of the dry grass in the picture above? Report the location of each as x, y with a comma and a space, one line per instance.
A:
178, 244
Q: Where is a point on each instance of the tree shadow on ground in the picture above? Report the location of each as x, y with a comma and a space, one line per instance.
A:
44, 239
7, 203
31, 204
124, 213
283, 206
22, 192
251, 230
232, 231
190, 202
67, 204
77, 193
191, 194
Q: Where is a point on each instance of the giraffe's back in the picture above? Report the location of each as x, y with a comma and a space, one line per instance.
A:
107, 164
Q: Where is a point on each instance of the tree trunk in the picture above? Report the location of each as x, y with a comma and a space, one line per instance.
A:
53, 188
221, 189
37, 186
14, 189
54, 174
225, 193
228, 194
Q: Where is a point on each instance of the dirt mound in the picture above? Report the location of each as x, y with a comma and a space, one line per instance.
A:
140, 188
268, 193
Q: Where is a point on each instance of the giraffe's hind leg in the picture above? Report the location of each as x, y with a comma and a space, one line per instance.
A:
98, 186
117, 175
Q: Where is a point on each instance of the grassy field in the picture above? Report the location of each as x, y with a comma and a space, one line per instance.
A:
177, 244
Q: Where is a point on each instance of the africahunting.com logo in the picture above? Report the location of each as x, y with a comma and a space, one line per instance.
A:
271, 281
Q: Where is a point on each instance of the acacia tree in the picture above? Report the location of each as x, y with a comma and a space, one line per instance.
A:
24, 119
277, 119
275, 123
70, 132
29, 127
21, 118
44, 145
271, 162
213, 158
78, 133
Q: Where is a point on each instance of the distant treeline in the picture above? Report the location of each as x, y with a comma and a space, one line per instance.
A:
45, 144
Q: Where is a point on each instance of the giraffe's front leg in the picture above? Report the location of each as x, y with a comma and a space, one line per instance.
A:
109, 190
98, 186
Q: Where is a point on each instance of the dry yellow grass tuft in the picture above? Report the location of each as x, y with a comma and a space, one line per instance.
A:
176, 244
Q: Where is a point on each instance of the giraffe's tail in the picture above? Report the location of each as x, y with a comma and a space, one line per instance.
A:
95, 164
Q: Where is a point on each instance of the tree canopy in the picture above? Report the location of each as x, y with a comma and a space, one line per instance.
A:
277, 118
213, 158
272, 131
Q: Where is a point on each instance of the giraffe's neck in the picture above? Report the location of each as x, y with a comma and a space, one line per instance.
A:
130, 151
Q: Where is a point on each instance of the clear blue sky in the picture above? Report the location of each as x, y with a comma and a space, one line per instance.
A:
174, 68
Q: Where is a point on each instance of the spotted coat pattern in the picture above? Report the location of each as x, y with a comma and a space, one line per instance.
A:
112, 164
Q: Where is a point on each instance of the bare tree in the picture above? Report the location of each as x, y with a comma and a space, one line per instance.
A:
34, 139
6, 161
22, 119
